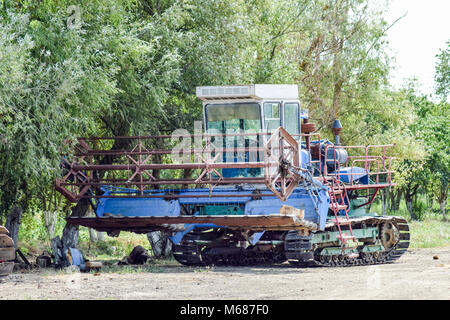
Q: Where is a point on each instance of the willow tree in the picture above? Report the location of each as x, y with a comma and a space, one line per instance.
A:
440, 160
434, 128
442, 72
60, 80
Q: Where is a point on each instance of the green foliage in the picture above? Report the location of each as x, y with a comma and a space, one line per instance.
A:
33, 227
442, 74
419, 208
433, 126
58, 82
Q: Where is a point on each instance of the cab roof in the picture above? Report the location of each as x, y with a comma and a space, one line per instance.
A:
253, 91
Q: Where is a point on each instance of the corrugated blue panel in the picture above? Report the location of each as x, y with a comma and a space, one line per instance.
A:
139, 207
298, 200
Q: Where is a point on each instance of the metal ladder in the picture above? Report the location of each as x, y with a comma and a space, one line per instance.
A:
338, 195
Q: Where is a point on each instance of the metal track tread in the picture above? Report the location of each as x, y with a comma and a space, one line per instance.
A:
244, 258
191, 254
188, 253
364, 258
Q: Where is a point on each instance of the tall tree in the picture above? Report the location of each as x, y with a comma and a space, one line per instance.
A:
434, 128
442, 73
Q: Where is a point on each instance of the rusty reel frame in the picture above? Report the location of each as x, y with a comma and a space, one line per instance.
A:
278, 178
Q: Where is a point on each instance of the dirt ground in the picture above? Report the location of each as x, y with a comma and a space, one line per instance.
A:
416, 275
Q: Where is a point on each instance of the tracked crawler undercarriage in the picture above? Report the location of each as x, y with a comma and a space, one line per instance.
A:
384, 239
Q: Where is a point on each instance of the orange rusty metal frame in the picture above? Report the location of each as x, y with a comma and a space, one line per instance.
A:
84, 174
176, 223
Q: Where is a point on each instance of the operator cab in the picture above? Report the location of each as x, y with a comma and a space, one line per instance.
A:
259, 107
248, 109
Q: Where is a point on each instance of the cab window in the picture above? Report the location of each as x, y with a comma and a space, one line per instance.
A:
234, 117
292, 118
271, 116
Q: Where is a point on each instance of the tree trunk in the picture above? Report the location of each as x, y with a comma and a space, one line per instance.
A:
397, 201
442, 205
100, 236
442, 199
95, 235
92, 232
50, 222
409, 205
92, 235
13, 223
395, 197
391, 200
57, 251
69, 237
160, 244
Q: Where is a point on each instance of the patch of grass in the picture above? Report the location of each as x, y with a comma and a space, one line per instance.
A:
126, 269
153, 266
204, 269
431, 232
111, 247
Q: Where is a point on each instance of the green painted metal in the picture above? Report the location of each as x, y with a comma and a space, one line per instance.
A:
340, 250
221, 210
358, 212
324, 237
337, 251
373, 248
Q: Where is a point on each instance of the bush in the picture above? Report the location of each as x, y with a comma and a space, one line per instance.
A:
32, 227
419, 209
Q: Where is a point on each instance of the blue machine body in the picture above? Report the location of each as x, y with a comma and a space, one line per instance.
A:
315, 209
266, 205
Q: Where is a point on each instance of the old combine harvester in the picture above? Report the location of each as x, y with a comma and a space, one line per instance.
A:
266, 189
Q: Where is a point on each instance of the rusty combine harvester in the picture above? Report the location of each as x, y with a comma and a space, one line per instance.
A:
266, 189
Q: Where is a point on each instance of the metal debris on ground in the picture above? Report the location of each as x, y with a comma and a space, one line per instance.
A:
139, 255
43, 261
76, 258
